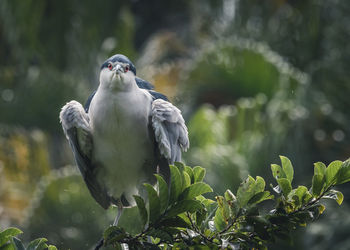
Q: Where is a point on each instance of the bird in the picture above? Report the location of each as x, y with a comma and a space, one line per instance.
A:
124, 134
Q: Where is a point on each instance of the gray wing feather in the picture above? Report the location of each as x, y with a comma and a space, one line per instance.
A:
75, 124
170, 130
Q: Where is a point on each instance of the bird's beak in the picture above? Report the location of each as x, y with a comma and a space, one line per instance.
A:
118, 69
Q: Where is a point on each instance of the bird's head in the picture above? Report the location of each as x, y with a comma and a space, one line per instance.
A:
118, 72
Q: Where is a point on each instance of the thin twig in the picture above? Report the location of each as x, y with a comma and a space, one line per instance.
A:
197, 229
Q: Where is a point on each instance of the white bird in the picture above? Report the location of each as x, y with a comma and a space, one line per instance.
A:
126, 133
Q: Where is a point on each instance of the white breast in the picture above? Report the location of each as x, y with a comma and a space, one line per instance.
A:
122, 144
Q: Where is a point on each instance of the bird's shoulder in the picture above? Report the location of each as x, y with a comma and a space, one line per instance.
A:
143, 84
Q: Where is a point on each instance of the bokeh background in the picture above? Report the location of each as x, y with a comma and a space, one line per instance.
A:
254, 79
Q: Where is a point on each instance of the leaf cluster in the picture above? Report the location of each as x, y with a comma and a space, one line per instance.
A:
9, 241
178, 216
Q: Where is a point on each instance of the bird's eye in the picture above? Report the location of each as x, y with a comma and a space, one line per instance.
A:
110, 66
127, 68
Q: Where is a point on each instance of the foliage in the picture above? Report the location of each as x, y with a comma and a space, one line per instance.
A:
64, 212
181, 217
9, 241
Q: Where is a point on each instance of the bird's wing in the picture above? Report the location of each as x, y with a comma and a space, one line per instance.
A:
88, 102
169, 129
143, 84
75, 124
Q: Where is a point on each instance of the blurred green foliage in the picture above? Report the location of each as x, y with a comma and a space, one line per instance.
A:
255, 79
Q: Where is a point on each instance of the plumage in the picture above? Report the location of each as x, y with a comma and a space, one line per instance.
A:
125, 133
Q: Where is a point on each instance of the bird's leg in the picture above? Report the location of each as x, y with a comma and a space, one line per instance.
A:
119, 213
115, 223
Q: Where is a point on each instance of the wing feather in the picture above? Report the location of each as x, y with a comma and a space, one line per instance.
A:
75, 124
170, 130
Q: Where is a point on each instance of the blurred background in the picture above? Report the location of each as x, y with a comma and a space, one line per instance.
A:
254, 79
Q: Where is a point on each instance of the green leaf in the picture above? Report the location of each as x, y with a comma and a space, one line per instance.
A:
113, 234
319, 168
206, 202
194, 190
157, 233
219, 220
184, 206
186, 181
317, 184
225, 208
321, 208
37, 244
245, 191
303, 194
335, 195
154, 203
18, 244
7, 246
331, 172
285, 185
174, 222
277, 171
198, 173
51, 247
287, 168
189, 171
229, 196
176, 184
180, 166
259, 185
344, 173
7, 234
163, 193
142, 209
260, 197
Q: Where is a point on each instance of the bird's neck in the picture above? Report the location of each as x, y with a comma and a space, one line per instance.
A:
125, 85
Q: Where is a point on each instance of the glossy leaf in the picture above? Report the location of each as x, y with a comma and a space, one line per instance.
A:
37, 244
320, 168
163, 192
161, 234
176, 184
224, 207
198, 173
259, 185
113, 234
229, 196
189, 171
142, 209
277, 171
154, 203
332, 171
18, 244
287, 168
260, 197
245, 191
335, 195
194, 190
317, 184
186, 180
184, 206
285, 185
174, 222
6, 235
219, 220
344, 173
